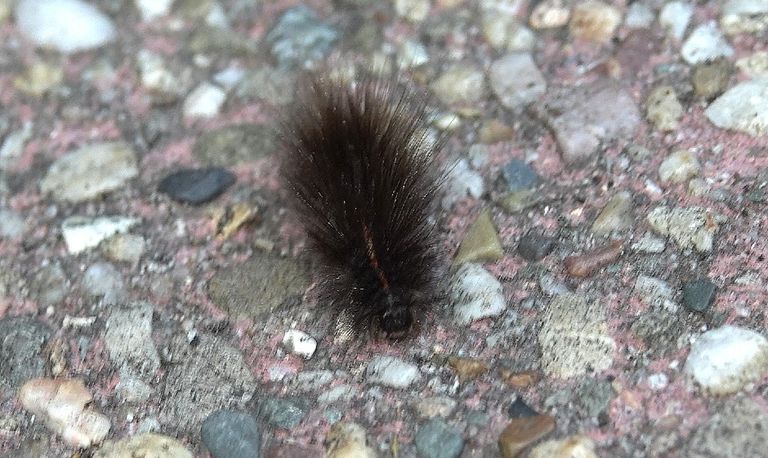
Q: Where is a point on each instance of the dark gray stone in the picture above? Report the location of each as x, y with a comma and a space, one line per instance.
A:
299, 38
534, 247
519, 409
699, 294
519, 175
196, 186
436, 439
231, 435
282, 413
21, 343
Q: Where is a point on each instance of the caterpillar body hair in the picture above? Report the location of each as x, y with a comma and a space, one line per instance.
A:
362, 171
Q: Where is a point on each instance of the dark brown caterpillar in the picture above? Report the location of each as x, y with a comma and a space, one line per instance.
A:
363, 172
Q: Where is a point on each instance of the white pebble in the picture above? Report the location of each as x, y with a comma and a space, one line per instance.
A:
657, 382
392, 372
639, 16
475, 294
205, 101
705, 43
299, 343
68, 26
674, 17
81, 232
153, 9
462, 181
744, 107
724, 360
679, 166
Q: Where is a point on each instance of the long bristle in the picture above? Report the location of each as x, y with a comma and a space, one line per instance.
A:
363, 172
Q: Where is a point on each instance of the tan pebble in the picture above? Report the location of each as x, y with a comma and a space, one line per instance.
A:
147, 445
61, 403
481, 243
522, 432
347, 440
520, 380
594, 21
467, 368
550, 14
578, 446
586, 264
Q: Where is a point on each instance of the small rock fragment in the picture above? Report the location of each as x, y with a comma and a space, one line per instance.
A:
744, 16
722, 361
102, 279
124, 248
145, 445
586, 264
505, 33
516, 80
692, 227
300, 39
22, 340
475, 294
90, 171
436, 439
639, 16
392, 372
698, 294
680, 166
574, 337
434, 407
522, 432
519, 409
460, 84
129, 339
520, 380
462, 181
299, 343
481, 242
663, 109
710, 79
39, 78
615, 216
61, 403
738, 427
283, 413
519, 175
347, 440
535, 247
656, 293
229, 434
594, 21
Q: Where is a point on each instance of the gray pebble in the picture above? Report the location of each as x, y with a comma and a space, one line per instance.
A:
229, 434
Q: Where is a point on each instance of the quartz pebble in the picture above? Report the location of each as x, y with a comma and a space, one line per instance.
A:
61, 403
549, 14
744, 16
639, 16
124, 248
705, 43
674, 17
153, 9
392, 372
205, 101
434, 407
710, 79
81, 232
462, 181
475, 294
299, 343
724, 360
68, 26
460, 84
615, 216
743, 107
